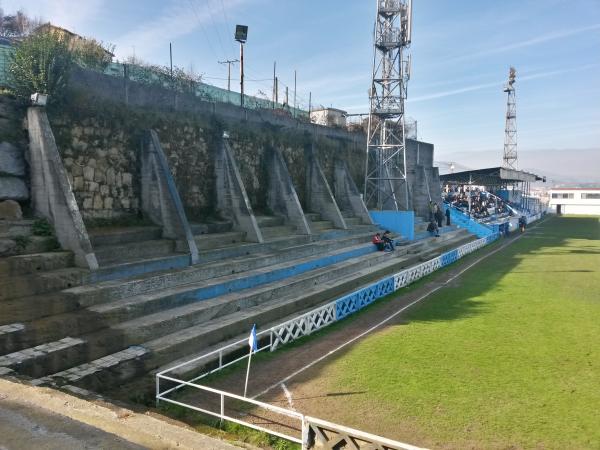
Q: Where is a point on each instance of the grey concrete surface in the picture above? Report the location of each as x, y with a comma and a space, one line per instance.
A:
46, 419
26, 427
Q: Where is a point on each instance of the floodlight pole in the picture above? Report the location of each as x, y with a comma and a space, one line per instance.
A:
241, 73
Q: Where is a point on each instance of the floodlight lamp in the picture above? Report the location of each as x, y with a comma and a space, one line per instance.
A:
241, 33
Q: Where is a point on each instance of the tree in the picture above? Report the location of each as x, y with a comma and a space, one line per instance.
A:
40, 63
91, 54
17, 25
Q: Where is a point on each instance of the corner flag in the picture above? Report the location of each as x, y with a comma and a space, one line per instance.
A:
252, 341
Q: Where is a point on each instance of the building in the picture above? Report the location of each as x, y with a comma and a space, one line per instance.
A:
329, 117
575, 201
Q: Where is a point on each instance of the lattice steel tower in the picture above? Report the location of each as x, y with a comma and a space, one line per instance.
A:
510, 130
385, 173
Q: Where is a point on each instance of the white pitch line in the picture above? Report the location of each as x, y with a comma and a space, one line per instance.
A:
288, 395
383, 322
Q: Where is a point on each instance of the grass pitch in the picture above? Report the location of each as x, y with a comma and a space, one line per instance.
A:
506, 357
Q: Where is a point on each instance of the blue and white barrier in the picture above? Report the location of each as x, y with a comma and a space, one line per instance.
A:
349, 304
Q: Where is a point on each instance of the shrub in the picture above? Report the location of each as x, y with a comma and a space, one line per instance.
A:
92, 54
40, 63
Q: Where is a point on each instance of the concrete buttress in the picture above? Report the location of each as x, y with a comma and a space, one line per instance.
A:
52, 193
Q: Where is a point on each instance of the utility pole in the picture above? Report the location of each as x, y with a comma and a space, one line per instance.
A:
294, 93
276, 90
386, 184
171, 59
229, 62
309, 103
274, 84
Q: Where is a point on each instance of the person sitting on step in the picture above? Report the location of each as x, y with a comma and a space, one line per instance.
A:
378, 242
387, 240
433, 229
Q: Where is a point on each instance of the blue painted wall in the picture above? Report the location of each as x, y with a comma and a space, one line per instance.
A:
401, 222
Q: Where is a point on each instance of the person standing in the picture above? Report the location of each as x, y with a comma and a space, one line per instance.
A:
439, 216
448, 216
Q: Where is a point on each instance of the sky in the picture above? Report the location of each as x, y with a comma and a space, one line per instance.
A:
461, 53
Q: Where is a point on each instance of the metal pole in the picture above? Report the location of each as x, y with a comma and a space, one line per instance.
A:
276, 90
247, 373
171, 59
294, 93
309, 103
274, 83
229, 76
242, 74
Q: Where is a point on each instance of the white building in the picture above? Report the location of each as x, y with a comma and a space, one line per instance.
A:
575, 201
329, 117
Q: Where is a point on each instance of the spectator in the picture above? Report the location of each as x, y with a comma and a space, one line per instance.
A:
433, 229
378, 242
439, 216
388, 241
447, 216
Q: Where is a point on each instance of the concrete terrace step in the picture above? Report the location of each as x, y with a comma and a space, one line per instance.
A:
317, 225
278, 231
312, 297
211, 228
312, 217
170, 347
352, 221
70, 302
112, 254
284, 251
219, 240
13, 228
105, 314
229, 321
35, 262
123, 235
41, 283
269, 221
46, 358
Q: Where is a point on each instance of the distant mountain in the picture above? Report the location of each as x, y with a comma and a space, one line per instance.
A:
558, 166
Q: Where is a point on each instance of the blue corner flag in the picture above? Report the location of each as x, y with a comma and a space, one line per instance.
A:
252, 342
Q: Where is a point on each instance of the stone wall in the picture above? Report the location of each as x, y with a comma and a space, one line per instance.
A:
13, 167
100, 148
99, 136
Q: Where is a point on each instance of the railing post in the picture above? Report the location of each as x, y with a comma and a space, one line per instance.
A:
222, 407
157, 390
220, 358
305, 433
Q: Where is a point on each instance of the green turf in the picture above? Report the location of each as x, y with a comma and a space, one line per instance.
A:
507, 358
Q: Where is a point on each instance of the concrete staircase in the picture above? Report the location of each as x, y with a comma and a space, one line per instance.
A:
105, 333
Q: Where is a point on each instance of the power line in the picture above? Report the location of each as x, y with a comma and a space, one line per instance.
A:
193, 7
216, 28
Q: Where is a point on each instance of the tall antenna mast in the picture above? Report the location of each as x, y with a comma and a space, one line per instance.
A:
385, 169
510, 130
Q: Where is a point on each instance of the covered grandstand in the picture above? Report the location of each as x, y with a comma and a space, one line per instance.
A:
494, 195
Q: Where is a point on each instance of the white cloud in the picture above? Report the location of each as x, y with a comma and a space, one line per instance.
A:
177, 19
477, 87
548, 37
